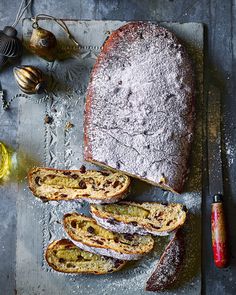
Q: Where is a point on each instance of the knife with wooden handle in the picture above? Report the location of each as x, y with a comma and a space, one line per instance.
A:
218, 226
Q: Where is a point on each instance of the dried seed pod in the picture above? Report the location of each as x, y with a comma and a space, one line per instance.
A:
30, 79
43, 43
48, 119
10, 45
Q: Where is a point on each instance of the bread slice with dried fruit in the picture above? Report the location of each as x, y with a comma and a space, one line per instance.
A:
143, 218
91, 186
168, 267
64, 256
88, 235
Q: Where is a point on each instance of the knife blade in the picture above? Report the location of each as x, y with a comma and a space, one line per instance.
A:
215, 177
215, 174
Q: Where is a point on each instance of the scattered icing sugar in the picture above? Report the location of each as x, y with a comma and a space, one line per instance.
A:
230, 152
141, 102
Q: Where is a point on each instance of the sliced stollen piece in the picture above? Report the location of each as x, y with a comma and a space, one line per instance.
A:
143, 218
139, 110
169, 265
88, 235
91, 186
64, 256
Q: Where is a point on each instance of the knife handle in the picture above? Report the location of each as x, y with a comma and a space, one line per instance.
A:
219, 234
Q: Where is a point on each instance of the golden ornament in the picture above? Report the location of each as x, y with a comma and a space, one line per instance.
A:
30, 79
43, 43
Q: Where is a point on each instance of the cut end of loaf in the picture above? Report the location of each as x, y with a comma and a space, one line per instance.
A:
89, 235
64, 256
142, 218
92, 186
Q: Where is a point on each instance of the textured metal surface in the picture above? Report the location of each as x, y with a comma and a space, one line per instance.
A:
220, 70
214, 142
55, 146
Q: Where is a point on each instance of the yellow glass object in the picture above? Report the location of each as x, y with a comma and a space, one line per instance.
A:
14, 165
5, 160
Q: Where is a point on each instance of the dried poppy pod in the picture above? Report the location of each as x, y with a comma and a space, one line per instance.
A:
10, 45
43, 43
30, 79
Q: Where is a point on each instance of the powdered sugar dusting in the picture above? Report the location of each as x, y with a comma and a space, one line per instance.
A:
141, 101
166, 271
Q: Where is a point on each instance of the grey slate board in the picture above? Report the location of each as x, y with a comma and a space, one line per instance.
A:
51, 145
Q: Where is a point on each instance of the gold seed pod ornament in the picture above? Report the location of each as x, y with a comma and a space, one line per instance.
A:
30, 79
43, 43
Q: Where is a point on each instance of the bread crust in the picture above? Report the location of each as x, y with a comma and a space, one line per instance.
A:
57, 194
108, 252
168, 176
169, 265
118, 264
123, 227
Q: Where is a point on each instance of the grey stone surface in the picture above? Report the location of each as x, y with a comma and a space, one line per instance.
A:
219, 17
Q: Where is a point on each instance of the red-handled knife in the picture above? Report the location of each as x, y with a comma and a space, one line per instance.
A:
218, 226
